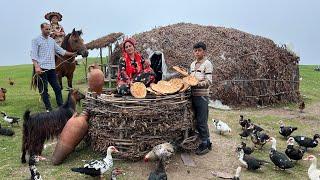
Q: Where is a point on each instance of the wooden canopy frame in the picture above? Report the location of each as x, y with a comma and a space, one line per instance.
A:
101, 43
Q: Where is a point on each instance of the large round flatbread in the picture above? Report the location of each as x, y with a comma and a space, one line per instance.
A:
176, 83
164, 87
138, 90
180, 70
185, 87
191, 80
164, 83
152, 91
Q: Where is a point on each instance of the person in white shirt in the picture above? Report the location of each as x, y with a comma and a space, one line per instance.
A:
201, 68
43, 52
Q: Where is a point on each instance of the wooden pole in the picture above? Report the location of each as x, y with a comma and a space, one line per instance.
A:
85, 69
109, 65
101, 62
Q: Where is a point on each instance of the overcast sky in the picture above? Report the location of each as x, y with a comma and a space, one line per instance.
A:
284, 21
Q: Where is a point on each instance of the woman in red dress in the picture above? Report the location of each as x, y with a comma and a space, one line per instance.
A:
133, 68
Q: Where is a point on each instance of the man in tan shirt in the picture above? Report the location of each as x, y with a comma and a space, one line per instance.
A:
201, 68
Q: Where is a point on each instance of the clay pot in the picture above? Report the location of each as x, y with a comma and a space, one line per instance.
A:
3, 94
96, 80
71, 135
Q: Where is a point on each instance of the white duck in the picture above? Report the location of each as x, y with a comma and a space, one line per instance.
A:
313, 172
98, 167
220, 126
10, 119
160, 151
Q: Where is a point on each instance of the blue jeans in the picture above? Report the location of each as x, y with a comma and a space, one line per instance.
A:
51, 77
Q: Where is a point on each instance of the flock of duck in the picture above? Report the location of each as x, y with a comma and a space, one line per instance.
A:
296, 148
160, 152
281, 160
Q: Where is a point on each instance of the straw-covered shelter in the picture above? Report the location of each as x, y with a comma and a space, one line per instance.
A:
248, 69
104, 41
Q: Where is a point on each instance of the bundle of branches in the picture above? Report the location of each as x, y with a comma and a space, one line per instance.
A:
248, 69
135, 126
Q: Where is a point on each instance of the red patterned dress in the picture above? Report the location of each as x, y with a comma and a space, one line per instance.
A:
133, 70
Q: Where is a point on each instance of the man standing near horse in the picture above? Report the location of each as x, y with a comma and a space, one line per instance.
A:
43, 53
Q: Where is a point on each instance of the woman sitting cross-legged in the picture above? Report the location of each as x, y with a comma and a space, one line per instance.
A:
133, 68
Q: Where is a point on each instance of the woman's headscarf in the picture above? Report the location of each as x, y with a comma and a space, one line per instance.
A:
130, 70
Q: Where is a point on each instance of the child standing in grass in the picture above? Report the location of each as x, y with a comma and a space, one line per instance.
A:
201, 68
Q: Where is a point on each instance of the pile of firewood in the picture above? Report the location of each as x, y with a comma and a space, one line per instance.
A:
135, 126
248, 69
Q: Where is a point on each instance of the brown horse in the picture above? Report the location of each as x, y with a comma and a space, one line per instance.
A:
65, 66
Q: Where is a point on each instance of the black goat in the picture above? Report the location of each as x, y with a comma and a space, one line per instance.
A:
39, 127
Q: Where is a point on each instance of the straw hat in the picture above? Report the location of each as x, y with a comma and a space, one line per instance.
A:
180, 70
49, 15
138, 90
191, 80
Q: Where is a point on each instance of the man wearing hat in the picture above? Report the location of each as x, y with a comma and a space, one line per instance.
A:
57, 32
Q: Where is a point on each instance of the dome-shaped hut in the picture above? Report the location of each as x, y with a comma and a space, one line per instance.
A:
248, 69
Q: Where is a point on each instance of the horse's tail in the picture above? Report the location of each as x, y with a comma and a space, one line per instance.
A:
34, 79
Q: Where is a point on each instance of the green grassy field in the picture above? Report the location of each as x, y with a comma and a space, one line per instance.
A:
20, 98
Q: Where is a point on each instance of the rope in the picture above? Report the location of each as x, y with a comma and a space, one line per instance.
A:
38, 76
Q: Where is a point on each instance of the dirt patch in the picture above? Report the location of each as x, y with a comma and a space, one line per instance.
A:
223, 157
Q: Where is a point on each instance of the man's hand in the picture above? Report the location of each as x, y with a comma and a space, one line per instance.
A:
38, 69
71, 53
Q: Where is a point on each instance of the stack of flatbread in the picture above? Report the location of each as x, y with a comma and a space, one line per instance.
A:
166, 87
175, 85
188, 79
172, 86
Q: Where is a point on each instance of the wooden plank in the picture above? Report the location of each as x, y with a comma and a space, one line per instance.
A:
114, 66
187, 160
110, 80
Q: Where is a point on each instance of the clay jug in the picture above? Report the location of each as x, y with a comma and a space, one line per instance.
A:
71, 135
95, 79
